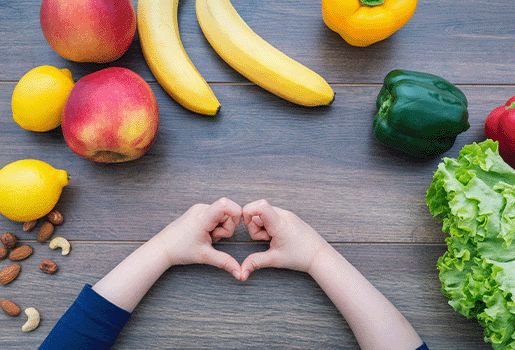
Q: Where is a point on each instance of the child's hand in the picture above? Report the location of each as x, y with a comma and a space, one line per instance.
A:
294, 244
188, 239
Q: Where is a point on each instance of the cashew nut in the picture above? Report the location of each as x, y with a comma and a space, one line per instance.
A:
60, 242
33, 321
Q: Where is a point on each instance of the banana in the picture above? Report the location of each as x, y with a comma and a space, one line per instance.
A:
245, 51
158, 31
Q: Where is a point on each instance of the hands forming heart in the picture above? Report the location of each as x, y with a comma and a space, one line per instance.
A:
293, 243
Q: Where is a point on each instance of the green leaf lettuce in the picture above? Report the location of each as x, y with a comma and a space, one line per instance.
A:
474, 198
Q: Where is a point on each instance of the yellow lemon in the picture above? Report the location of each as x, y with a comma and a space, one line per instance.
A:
30, 189
39, 97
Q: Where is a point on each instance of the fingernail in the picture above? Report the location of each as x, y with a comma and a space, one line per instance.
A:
236, 274
245, 275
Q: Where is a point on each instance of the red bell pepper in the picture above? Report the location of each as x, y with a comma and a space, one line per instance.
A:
500, 126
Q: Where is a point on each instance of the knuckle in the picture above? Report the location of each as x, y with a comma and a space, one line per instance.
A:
224, 200
262, 203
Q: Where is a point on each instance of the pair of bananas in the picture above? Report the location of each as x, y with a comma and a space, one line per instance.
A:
236, 44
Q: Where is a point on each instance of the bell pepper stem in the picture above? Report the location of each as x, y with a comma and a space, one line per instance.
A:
511, 106
372, 2
385, 106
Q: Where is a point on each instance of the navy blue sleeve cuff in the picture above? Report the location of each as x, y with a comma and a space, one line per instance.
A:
92, 322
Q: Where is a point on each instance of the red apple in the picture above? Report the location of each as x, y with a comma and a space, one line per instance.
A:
110, 116
88, 30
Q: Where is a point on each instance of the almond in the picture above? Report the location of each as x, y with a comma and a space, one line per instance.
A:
9, 273
55, 217
9, 240
20, 253
45, 232
29, 225
3, 253
10, 308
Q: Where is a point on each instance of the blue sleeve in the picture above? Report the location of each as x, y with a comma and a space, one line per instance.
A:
422, 347
92, 322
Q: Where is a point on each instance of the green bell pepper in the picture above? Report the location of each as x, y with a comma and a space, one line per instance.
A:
419, 113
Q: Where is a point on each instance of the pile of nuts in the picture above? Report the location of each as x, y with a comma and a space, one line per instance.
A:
15, 252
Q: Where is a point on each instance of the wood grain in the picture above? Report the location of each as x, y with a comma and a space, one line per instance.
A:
201, 307
466, 41
324, 164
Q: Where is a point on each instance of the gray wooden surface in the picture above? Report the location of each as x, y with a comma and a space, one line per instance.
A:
324, 164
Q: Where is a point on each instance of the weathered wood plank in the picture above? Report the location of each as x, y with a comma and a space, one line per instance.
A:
323, 164
203, 307
440, 38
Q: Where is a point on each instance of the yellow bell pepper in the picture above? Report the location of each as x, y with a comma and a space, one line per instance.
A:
364, 22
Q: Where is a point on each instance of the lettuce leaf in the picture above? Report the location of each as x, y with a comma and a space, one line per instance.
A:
474, 198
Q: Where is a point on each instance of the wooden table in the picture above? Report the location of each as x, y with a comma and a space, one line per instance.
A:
324, 164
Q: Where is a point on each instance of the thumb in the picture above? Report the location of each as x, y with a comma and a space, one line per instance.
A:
257, 261
223, 261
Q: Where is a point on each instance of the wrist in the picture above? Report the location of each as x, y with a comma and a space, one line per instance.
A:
158, 248
128, 282
320, 258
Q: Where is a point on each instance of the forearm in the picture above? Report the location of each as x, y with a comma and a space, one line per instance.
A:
130, 280
376, 323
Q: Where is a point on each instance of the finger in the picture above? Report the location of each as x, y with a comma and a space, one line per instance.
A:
254, 227
261, 235
258, 261
257, 232
225, 217
265, 212
225, 229
222, 260
258, 221
216, 212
